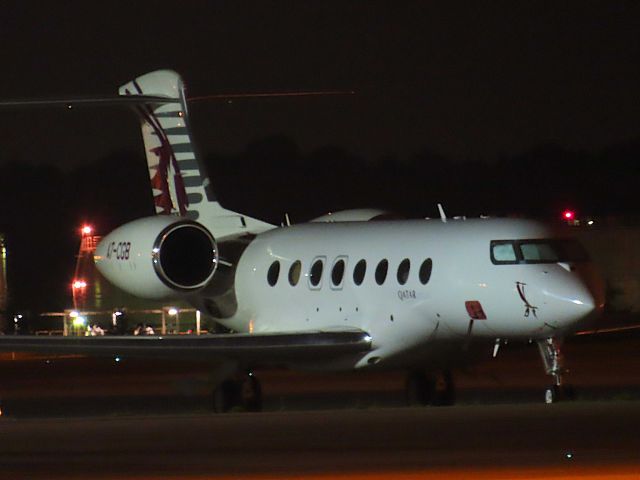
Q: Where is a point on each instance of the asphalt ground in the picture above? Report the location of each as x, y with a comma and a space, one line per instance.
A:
87, 418
601, 368
386, 442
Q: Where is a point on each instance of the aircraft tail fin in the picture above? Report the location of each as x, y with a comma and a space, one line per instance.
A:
179, 182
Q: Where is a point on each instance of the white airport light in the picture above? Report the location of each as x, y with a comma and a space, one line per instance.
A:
79, 321
172, 311
73, 314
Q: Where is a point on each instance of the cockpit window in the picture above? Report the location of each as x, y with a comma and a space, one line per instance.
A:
540, 251
552, 250
503, 252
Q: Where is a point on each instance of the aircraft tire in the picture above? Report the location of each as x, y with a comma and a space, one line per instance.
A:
226, 396
445, 394
244, 394
251, 393
556, 393
419, 389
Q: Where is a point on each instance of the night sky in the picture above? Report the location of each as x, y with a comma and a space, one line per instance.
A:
490, 107
462, 79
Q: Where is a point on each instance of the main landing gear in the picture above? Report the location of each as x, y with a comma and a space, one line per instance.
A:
242, 393
423, 389
554, 365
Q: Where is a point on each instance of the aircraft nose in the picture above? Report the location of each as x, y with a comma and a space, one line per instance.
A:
594, 295
578, 300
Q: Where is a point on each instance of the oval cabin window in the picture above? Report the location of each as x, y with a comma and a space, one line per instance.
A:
294, 273
425, 271
337, 273
273, 273
315, 274
381, 271
359, 272
403, 271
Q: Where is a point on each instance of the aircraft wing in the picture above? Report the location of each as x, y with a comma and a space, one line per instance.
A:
612, 324
261, 347
600, 331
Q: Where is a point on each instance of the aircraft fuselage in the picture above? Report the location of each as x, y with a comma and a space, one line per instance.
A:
436, 275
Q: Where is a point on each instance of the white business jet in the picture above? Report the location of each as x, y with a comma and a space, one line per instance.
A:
347, 291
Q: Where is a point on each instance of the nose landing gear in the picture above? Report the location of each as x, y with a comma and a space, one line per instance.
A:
550, 351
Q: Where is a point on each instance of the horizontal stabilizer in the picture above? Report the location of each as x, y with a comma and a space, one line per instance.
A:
93, 101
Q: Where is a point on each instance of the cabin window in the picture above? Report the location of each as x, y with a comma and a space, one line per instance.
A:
315, 274
424, 274
273, 273
403, 271
381, 271
294, 273
337, 273
359, 272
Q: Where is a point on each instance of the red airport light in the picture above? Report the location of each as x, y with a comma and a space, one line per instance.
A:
568, 214
86, 230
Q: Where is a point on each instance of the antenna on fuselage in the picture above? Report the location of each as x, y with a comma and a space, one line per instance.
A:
443, 217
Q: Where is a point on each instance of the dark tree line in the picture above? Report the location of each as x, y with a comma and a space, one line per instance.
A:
42, 207
272, 177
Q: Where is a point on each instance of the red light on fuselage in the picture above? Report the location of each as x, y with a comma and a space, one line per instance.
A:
568, 215
78, 284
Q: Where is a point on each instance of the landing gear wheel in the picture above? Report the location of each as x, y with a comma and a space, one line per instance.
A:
251, 394
244, 393
558, 393
569, 392
225, 396
551, 394
445, 394
420, 389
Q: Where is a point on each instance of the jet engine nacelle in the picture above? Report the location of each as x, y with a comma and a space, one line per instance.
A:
158, 257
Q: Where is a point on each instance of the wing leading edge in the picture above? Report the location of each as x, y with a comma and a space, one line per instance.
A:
256, 347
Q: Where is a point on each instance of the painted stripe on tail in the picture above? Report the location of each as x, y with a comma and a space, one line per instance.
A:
179, 184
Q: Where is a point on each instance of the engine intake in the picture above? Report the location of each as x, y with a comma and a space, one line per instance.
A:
185, 256
158, 257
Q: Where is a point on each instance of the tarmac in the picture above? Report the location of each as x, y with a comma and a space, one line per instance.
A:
534, 438
78, 417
